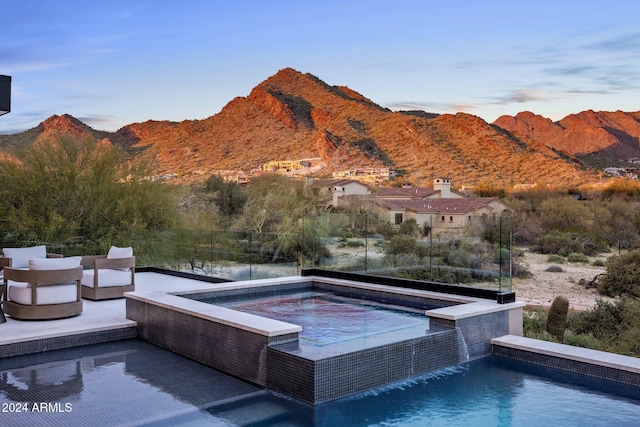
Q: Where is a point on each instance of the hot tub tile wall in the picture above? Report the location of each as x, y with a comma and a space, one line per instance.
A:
232, 350
388, 297
249, 291
320, 381
478, 331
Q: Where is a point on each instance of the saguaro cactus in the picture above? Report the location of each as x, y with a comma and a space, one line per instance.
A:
557, 319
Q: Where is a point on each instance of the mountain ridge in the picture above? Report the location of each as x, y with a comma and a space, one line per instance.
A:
292, 115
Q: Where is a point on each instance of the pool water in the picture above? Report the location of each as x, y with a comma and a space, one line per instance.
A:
326, 318
135, 383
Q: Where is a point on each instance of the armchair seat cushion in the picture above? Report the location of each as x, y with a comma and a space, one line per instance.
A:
20, 293
108, 278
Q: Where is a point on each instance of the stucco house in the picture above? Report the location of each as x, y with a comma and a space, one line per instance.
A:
438, 209
445, 215
441, 190
343, 188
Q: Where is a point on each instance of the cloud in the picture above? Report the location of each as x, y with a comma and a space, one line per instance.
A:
521, 96
629, 42
428, 107
102, 121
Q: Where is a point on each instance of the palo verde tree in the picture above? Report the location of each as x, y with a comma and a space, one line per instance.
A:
79, 190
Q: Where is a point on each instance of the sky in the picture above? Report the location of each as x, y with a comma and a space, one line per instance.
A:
111, 63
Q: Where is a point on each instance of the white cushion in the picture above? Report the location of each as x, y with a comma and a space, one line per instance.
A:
116, 252
20, 293
55, 263
20, 256
107, 277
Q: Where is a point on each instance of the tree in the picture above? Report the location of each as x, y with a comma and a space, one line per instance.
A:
62, 189
565, 214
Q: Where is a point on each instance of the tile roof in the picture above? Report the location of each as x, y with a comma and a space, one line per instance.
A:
413, 192
449, 206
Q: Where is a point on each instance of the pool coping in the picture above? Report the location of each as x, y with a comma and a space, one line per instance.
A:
569, 352
591, 363
465, 307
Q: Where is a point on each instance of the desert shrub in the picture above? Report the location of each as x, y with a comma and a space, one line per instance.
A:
555, 242
554, 269
555, 258
564, 243
402, 244
615, 326
576, 257
518, 270
354, 243
599, 263
565, 213
409, 228
582, 340
348, 235
534, 323
385, 229
622, 276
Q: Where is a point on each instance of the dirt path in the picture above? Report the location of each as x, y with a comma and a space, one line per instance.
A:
541, 288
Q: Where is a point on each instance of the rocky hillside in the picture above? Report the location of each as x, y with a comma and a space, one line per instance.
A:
292, 115
598, 138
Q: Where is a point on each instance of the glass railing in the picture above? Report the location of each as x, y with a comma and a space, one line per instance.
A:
476, 255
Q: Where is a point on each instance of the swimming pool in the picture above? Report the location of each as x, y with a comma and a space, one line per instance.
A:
132, 382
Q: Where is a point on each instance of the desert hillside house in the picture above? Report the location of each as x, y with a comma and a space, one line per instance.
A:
438, 209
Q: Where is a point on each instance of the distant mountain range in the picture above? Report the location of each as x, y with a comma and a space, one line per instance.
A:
293, 116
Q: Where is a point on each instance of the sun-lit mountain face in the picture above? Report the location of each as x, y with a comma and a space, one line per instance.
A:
292, 116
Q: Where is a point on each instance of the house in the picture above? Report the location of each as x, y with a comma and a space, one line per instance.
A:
445, 215
441, 190
344, 188
439, 209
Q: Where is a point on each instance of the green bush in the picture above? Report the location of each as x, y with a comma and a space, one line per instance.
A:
385, 229
534, 322
557, 243
622, 276
402, 244
354, 243
556, 259
582, 340
409, 228
615, 326
576, 257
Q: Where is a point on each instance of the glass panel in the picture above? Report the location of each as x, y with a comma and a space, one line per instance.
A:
472, 250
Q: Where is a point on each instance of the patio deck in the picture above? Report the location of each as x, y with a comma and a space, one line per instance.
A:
100, 320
